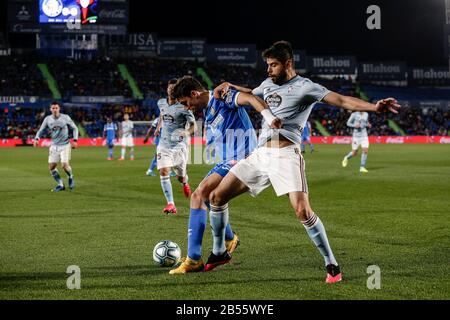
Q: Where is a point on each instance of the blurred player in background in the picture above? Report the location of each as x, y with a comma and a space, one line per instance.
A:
156, 136
306, 137
278, 161
126, 130
232, 132
359, 121
172, 151
109, 133
60, 150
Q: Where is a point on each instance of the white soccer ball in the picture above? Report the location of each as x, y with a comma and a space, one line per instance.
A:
166, 253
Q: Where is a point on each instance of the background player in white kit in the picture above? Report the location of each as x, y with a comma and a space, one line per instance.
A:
172, 151
60, 149
126, 129
359, 121
278, 160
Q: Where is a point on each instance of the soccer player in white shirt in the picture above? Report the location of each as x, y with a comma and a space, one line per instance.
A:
359, 121
60, 150
127, 136
278, 160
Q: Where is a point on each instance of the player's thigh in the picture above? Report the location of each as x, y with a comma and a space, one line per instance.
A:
365, 144
287, 172
54, 155
208, 184
180, 159
65, 154
229, 188
165, 158
355, 144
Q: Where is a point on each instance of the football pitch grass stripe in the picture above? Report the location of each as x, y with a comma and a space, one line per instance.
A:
396, 217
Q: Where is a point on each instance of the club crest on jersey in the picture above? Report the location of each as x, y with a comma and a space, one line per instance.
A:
168, 118
274, 100
228, 97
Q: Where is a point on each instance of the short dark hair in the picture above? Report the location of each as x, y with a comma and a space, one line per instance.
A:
55, 102
280, 50
185, 86
172, 81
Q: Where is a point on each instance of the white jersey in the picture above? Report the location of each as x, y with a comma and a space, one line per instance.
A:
127, 129
59, 131
361, 119
291, 102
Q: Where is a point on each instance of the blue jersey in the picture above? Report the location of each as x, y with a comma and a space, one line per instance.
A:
229, 128
110, 129
306, 131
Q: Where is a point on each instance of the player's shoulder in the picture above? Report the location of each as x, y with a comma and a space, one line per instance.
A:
162, 103
65, 116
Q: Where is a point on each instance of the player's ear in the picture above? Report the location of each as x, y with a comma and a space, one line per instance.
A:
289, 63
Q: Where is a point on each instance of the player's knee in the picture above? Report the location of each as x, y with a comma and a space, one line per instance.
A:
216, 199
196, 199
303, 212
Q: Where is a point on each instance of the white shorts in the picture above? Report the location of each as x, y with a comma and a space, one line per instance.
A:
283, 168
362, 141
127, 142
59, 153
175, 158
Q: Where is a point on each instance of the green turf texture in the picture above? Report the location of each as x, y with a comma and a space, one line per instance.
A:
396, 217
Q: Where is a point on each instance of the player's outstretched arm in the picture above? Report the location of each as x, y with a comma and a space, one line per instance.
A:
223, 88
355, 104
259, 105
39, 133
71, 124
148, 134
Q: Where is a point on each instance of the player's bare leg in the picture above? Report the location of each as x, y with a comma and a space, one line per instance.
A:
166, 186
55, 174
229, 188
362, 168
68, 169
350, 155
316, 231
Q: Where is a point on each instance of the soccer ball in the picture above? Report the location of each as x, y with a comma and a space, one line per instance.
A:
166, 253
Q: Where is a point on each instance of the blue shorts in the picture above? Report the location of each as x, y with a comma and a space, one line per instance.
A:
222, 168
110, 143
306, 138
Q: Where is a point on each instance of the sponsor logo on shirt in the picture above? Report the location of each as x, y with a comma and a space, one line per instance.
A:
168, 118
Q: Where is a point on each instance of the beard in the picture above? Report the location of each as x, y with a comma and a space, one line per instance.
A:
281, 78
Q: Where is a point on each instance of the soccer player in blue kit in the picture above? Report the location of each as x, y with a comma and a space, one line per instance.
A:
278, 161
109, 133
306, 137
234, 138
156, 134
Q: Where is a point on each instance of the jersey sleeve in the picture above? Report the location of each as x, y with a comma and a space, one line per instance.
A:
71, 124
315, 92
351, 121
231, 99
258, 91
41, 129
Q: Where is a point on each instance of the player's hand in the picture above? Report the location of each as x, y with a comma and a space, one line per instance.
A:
74, 145
35, 143
369, 125
276, 124
221, 89
358, 125
387, 105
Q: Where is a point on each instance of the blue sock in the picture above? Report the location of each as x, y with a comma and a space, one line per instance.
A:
363, 159
153, 164
166, 186
110, 152
197, 223
229, 234
218, 218
349, 155
57, 177
316, 231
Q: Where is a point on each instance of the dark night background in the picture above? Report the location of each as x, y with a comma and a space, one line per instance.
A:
412, 30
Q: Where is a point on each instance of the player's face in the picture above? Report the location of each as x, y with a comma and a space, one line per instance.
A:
169, 89
126, 117
277, 71
54, 108
191, 102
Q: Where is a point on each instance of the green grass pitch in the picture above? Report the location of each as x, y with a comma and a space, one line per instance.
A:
396, 217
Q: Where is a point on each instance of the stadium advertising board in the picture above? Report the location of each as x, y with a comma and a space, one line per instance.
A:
19, 99
238, 54
431, 75
68, 16
187, 48
97, 99
99, 142
394, 70
331, 64
133, 44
